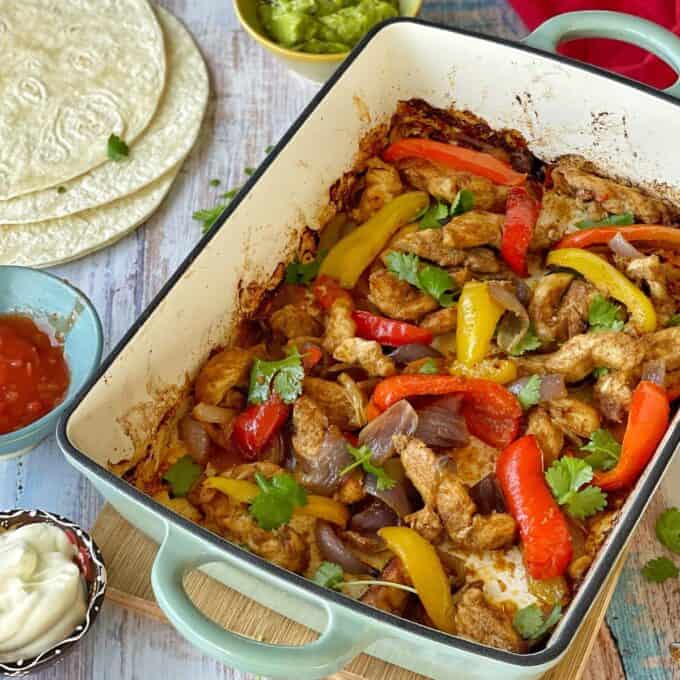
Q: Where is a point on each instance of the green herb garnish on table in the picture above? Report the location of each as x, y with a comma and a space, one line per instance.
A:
116, 149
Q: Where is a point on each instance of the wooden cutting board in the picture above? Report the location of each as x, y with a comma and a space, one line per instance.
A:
129, 555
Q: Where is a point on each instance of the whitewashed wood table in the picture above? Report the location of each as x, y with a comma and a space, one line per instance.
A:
254, 100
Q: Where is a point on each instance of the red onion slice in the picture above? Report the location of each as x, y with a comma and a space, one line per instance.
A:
552, 386
334, 550
207, 413
655, 371
412, 352
400, 418
515, 323
487, 496
321, 474
196, 439
396, 498
376, 516
441, 424
621, 246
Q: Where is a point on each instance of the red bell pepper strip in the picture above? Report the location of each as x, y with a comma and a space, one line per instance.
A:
327, 290
521, 213
637, 232
484, 402
455, 157
311, 356
646, 426
546, 541
254, 428
389, 332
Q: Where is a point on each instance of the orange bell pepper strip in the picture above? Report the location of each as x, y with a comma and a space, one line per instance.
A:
456, 158
491, 411
244, 491
647, 423
521, 214
426, 572
546, 541
669, 236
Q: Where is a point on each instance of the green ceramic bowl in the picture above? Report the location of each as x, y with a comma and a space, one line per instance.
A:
317, 67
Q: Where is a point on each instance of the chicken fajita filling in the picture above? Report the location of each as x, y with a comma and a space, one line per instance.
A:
444, 403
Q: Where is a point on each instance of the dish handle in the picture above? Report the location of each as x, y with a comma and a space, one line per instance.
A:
615, 25
342, 639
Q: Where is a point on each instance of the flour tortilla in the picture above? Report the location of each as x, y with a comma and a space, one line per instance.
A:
163, 144
45, 244
73, 72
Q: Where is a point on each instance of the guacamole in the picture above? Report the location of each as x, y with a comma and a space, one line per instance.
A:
322, 26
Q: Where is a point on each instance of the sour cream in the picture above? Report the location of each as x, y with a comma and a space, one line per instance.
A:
42, 594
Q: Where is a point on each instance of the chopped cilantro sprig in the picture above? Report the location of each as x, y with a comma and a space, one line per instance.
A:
284, 376
603, 450
279, 496
567, 478
432, 280
531, 623
362, 458
182, 476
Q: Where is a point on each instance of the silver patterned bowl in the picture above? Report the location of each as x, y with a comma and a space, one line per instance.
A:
93, 570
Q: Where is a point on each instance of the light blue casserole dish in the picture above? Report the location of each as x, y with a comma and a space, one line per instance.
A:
52, 301
560, 107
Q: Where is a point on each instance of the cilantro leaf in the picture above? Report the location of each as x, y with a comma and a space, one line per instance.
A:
530, 623
284, 375
269, 149
565, 477
215, 182
182, 475
462, 203
249, 171
620, 220
668, 529
604, 315
277, 499
61, 190
659, 570
329, 575
432, 280
116, 149
304, 273
599, 371
434, 215
438, 283
362, 457
604, 450
209, 216
528, 343
404, 266
530, 394
429, 367
673, 321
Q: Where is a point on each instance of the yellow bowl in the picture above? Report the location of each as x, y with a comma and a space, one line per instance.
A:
318, 67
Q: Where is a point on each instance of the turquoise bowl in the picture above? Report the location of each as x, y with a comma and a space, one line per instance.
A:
50, 300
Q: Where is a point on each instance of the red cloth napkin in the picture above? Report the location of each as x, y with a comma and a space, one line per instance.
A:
613, 55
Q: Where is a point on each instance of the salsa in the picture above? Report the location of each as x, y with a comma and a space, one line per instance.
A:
322, 26
34, 375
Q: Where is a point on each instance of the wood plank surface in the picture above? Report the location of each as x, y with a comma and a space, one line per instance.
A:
254, 99
129, 556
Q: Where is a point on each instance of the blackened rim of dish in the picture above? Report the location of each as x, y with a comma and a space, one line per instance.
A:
96, 587
608, 555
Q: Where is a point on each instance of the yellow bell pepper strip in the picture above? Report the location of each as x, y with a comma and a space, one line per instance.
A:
350, 256
609, 281
426, 572
501, 371
478, 315
325, 508
244, 491
635, 233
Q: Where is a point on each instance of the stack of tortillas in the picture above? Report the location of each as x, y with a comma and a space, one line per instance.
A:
73, 74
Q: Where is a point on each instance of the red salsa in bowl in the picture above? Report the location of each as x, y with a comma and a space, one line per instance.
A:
34, 375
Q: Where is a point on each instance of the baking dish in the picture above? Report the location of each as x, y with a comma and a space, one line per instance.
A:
560, 107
